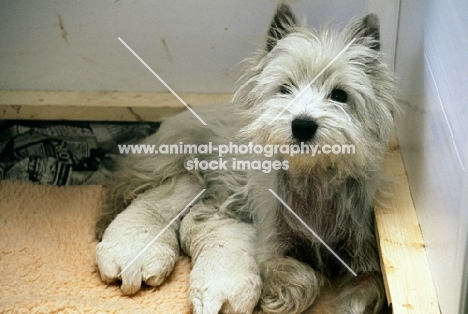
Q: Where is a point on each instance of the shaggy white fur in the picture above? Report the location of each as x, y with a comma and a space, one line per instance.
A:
249, 253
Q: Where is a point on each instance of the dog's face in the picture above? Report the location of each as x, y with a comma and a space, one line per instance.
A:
307, 88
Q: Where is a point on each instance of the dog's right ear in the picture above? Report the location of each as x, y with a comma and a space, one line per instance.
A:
282, 24
367, 26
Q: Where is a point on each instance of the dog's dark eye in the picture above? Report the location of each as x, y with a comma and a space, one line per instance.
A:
285, 89
338, 95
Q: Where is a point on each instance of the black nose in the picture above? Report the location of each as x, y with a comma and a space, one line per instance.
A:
303, 129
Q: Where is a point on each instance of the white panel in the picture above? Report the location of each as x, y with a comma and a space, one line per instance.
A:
432, 64
192, 45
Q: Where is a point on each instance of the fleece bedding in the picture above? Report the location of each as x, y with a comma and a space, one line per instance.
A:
47, 257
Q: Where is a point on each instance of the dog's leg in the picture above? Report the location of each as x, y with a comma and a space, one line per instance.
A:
225, 276
137, 226
363, 294
289, 286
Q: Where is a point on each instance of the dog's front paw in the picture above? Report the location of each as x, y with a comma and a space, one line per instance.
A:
221, 285
289, 286
224, 297
116, 261
225, 277
124, 255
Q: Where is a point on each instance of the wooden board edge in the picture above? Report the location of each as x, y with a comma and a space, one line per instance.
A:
99, 106
405, 268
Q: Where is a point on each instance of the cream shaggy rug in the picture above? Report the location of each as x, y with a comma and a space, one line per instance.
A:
47, 259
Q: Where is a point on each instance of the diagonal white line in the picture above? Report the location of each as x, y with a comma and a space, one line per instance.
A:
161, 232
161, 80
311, 82
312, 231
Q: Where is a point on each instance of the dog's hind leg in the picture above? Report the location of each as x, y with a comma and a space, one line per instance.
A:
225, 277
363, 294
289, 286
138, 225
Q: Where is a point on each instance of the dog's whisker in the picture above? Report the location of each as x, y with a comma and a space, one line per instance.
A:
344, 111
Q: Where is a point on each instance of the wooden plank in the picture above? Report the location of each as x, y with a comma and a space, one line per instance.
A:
407, 276
98, 106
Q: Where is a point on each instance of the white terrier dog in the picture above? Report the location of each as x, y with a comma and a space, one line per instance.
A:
249, 250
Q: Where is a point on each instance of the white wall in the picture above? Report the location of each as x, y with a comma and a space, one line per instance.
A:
432, 63
192, 45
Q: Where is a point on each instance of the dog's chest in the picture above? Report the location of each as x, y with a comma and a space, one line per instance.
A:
320, 214
315, 202
324, 216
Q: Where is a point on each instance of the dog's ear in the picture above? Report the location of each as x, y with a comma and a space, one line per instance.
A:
367, 26
282, 24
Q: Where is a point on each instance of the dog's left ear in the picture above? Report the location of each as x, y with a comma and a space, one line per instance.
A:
282, 24
367, 26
